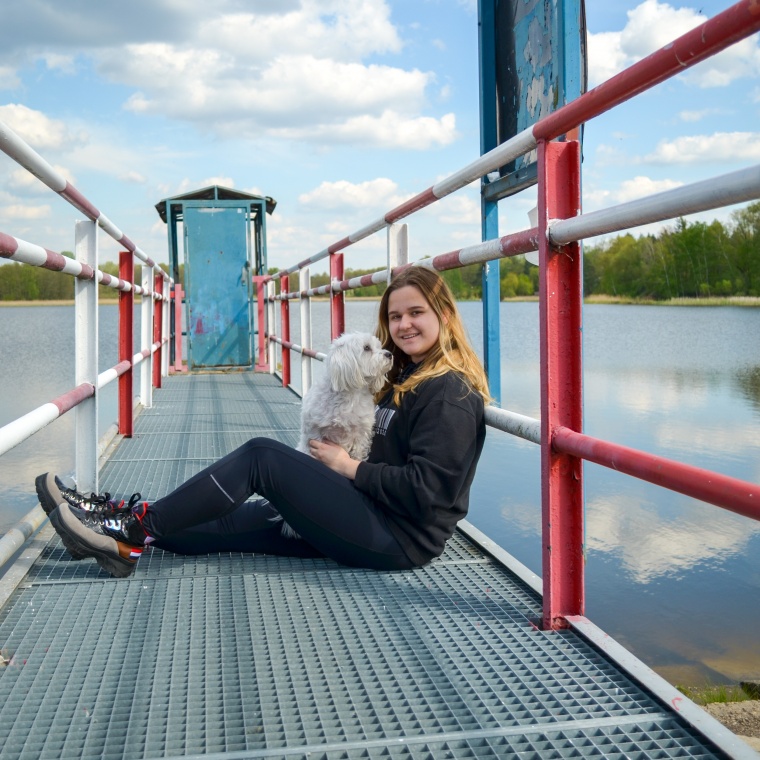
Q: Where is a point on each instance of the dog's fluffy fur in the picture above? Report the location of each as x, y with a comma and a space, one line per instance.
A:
340, 406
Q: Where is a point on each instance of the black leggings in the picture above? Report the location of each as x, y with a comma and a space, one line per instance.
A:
209, 513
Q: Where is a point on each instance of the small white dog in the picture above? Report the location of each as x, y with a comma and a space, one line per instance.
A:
340, 406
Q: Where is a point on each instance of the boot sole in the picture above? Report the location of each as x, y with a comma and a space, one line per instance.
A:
85, 542
46, 493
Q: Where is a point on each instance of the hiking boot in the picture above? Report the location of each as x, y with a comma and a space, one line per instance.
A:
51, 492
114, 540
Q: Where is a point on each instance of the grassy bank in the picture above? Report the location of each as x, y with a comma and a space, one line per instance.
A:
714, 301
715, 693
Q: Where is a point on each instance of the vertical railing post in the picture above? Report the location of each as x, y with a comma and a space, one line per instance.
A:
337, 304
261, 323
165, 321
285, 328
398, 247
158, 286
271, 326
146, 317
560, 314
126, 343
178, 328
304, 284
86, 357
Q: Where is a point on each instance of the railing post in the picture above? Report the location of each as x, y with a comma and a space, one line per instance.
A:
491, 282
261, 323
271, 326
398, 246
304, 284
178, 325
158, 287
126, 343
285, 329
165, 321
561, 299
86, 360
146, 316
337, 304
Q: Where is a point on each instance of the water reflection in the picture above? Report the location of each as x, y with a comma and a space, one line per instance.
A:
649, 545
748, 382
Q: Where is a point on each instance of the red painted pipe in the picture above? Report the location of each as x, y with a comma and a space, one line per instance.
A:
735, 495
75, 396
337, 307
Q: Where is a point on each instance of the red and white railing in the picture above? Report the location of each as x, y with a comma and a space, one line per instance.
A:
156, 294
557, 238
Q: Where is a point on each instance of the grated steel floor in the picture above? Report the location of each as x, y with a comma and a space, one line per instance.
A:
266, 657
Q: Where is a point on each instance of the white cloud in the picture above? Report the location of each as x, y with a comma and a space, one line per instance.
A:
628, 190
298, 74
695, 115
653, 25
721, 147
651, 547
389, 130
40, 131
296, 69
8, 78
295, 97
323, 28
20, 211
133, 177
458, 209
27, 183
63, 63
380, 193
641, 186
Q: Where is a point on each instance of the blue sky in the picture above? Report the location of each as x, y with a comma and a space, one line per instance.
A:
339, 113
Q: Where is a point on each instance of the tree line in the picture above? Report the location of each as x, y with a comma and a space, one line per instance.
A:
687, 260
22, 282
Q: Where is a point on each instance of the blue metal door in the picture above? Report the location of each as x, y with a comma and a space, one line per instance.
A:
217, 283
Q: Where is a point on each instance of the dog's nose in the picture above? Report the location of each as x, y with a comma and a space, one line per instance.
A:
387, 354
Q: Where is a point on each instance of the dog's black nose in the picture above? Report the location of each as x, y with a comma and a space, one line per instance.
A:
387, 353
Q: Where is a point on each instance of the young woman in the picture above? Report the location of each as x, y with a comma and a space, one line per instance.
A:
394, 511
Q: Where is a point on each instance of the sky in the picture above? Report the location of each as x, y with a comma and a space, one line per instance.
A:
339, 111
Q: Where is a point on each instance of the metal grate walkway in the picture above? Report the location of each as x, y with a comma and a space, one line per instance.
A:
267, 657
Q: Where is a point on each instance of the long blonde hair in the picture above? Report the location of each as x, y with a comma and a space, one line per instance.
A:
453, 351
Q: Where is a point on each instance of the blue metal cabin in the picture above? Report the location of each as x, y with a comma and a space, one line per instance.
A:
223, 245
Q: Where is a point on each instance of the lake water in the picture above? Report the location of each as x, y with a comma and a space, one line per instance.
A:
674, 580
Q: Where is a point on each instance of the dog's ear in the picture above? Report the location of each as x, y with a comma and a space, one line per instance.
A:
343, 367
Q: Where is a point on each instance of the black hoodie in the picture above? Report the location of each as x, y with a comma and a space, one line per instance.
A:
423, 460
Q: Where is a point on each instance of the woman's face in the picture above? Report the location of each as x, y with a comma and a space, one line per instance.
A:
412, 322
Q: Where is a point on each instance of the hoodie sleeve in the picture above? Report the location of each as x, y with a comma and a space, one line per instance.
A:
429, 454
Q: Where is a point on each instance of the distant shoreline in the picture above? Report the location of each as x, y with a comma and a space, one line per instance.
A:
753, 301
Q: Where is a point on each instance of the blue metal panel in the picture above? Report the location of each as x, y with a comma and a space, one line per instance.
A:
217, 275
490, 213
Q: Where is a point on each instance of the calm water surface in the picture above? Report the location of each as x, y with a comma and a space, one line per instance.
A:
675, 580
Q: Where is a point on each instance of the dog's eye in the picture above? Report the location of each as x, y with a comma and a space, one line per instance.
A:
367, 348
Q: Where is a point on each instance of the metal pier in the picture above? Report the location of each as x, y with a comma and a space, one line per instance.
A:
263, 657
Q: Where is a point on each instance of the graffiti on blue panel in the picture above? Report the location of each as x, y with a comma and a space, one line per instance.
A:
528, 66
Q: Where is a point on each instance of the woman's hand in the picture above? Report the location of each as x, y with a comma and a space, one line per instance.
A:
335, 457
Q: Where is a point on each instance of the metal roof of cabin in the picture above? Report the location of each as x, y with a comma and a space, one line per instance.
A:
214, 193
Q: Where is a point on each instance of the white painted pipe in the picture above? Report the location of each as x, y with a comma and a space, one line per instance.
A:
724, 190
